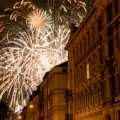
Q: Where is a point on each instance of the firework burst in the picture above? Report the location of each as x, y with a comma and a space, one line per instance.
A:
39, 20
24, 62
67, 11
20, 70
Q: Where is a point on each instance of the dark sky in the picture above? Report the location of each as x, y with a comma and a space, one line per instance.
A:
9, 3
6, 3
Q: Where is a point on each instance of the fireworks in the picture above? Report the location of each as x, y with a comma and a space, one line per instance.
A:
67, 11
20, 72
20, 10
24, 63
31, 46
39, 20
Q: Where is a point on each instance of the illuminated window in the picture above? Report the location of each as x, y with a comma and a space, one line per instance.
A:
87, 70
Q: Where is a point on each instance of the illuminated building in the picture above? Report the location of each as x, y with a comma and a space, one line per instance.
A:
32, 108
53, 104
94, 64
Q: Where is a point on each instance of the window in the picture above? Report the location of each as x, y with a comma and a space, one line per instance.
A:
84, 44
116, 34
81, 73
87, 70
79, 76
117, 83
99, 23
90, 99
108, 117
80, 102
96, 32
91, 37
109, 12
106, 50
103, 18
75, 54
107, 90
75, 81
110, 31
118, 5
115, 7
64, 69
75, 104
88, 40
118, 115
80, 49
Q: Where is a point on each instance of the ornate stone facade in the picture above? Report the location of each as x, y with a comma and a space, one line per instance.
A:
94, 64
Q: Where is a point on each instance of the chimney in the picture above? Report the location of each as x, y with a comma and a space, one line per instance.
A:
73, 29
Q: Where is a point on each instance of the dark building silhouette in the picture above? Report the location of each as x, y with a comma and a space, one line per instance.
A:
4, 111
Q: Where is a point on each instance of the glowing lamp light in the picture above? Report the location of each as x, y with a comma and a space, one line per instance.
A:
31, 106
19, 117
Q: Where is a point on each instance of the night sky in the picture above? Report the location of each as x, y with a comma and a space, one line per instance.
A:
6, 3
9, 3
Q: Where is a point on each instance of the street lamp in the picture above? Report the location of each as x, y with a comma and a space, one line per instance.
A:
19, 117
31, 108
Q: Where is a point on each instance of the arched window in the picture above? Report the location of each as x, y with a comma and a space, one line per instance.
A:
91, 67
98, 63
82, 101
108, 117
80, 74
107, 92
94, 63
90, 97
75, 101
80, 49
96, 31
75, 79
117, 82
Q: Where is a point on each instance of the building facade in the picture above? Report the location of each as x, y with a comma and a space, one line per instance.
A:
53, 105
94, 64
31, 110
36, 103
